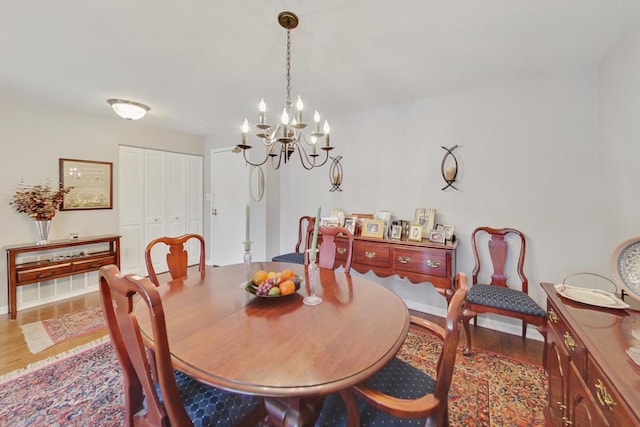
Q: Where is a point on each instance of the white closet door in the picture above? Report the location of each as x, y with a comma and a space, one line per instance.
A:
155, 201
131, 177
194, 202
176, 194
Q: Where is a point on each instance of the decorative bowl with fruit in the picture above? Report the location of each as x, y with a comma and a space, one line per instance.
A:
274, 284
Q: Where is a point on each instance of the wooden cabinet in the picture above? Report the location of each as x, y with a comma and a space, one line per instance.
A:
96, 252
592, 381
418, 262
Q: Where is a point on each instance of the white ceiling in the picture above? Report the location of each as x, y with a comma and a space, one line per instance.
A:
203, 65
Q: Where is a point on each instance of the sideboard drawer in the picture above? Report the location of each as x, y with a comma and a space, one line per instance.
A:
570, 341
431, 262
342, 247
373, 254
93, 264
41, 274
609, 400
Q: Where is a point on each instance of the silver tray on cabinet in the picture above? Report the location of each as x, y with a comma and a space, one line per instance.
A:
596, 297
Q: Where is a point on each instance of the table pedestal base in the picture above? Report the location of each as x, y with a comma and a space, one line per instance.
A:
293, 411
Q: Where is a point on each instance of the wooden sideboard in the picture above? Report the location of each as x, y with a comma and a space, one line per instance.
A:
592, 381
91, 257
417, 261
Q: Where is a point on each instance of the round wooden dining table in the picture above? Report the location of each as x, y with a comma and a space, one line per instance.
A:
290, 353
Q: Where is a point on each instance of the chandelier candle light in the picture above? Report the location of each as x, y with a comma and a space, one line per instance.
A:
289, 132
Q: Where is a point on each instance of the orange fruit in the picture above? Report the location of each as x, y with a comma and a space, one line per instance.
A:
259, 277
287, 287
287, 274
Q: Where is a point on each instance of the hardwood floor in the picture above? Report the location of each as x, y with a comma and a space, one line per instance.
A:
14, 353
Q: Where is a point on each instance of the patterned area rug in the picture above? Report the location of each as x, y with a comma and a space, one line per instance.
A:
487, 389
85, 389
43, 334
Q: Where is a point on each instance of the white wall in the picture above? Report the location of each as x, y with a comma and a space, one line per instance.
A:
528, 159
35, 137
619, 203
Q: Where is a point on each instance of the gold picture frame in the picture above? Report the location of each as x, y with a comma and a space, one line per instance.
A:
373, 228
415, 233
92, 183
427, 218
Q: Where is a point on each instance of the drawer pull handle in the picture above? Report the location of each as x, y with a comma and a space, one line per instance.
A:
569, 342
42, 276
370, 254
553, 316
603, 395
341, 251
404, 259
433, 264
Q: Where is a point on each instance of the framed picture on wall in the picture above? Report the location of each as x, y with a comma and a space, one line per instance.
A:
92, 183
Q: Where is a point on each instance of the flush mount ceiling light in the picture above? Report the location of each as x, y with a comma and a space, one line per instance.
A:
287, 137
128, 109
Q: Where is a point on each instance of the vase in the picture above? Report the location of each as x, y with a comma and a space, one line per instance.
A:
43, 225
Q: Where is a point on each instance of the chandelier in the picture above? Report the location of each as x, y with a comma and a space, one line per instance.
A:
287, 138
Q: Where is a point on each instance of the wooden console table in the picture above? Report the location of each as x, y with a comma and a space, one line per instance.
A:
417, 261
37, 271
592, 381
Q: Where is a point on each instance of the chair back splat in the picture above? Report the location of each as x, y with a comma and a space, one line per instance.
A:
177, 256
401, 394
328, 247
493, 250
155, 394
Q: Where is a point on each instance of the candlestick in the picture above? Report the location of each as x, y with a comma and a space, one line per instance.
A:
248, 216
314, 241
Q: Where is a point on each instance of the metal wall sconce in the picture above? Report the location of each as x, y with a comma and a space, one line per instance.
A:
449, 167
335, 173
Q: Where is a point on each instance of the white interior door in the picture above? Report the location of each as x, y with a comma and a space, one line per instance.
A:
229, 197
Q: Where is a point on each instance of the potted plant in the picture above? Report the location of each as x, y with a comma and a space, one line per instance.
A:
40, 202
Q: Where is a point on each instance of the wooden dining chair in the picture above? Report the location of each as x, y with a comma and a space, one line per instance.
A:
401, 394
297, 257
498, 295
328, 247
177, 256
155, 393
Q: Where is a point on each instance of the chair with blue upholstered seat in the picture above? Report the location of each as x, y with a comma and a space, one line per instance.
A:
401, 394
297, 257
501, 252
155, 394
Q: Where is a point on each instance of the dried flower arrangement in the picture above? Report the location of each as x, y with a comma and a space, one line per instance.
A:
40, 202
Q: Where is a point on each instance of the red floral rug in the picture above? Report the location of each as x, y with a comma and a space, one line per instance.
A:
86, 389
43, 334
487, 389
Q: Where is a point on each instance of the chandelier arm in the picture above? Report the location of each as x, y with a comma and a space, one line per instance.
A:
244, 154
304, 158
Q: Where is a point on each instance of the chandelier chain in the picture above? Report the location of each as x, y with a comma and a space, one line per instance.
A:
288, 66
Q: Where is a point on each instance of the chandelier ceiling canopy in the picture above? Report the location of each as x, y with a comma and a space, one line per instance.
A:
287, 137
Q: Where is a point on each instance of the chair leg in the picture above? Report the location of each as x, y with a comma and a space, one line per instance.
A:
524, 329
466, 319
